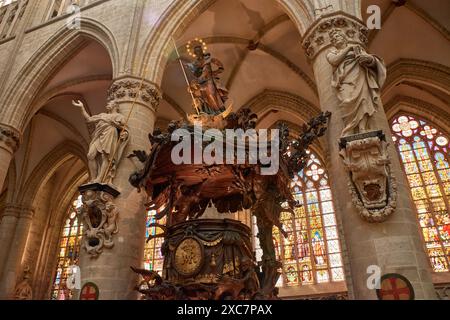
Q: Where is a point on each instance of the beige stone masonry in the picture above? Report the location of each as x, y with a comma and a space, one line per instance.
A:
394, 245
110, 271
16, 227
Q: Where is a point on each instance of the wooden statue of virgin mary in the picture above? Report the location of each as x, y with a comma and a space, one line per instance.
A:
209, 94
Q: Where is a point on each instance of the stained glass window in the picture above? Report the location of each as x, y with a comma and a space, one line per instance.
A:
69, 251
424, 151
311, 253
153, 259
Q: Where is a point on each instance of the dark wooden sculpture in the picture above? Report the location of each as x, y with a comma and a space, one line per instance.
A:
186, 190
213, 259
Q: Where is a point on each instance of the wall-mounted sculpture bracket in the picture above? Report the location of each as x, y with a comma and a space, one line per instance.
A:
99, 215
372, 185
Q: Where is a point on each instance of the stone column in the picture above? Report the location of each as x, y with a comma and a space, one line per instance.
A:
110, 270
9, 142
394, 245
9, 218
13, 268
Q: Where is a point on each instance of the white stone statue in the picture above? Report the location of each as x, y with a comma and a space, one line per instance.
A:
108, 141
358, 77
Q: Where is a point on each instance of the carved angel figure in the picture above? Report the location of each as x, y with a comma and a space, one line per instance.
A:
358, 77
108, 141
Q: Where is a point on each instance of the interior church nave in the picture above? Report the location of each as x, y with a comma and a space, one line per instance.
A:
274, 57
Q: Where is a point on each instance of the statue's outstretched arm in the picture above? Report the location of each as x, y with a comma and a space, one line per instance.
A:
79, 104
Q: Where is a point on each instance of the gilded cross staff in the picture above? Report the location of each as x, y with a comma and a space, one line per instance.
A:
185, 76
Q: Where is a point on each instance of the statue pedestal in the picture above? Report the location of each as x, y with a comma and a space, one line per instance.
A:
99, 215
100, 187
361, 136
373, 187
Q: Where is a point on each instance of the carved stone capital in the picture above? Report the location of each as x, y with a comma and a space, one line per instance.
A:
10, 211
17, 211
371, 182
317, 38
99, 215
9, 138
27, 213
133, 89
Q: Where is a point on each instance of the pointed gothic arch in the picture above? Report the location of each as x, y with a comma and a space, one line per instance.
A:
47, 166
44, 232
425, 72
283, 101
47, 60
418, 107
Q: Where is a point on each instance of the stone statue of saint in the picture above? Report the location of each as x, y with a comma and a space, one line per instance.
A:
358, 77
209, 94
108, 141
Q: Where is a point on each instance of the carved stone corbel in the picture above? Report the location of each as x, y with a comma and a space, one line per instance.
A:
371, 183
99, 215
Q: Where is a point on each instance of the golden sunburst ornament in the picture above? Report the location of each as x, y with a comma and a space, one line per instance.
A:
194, 43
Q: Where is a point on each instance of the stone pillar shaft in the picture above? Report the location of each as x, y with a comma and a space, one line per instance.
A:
110, 271
9, 142
394, 245
7, 227
12, 267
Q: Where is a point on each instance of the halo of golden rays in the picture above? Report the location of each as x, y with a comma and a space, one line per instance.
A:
192, 44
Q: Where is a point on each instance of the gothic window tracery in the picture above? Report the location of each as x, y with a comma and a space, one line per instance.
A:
68, 251
311, 253
424, 152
